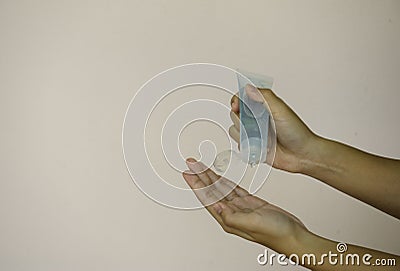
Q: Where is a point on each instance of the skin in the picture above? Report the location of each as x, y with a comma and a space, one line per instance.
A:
372, 179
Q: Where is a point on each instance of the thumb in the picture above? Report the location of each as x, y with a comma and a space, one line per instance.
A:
263, 95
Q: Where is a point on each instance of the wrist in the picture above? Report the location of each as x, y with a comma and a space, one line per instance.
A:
318, 156
308, 244
296, 243
319, 247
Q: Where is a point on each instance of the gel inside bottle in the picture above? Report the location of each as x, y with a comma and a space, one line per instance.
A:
254, 123
254, 118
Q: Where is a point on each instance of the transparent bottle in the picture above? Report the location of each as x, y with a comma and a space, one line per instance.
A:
254, 124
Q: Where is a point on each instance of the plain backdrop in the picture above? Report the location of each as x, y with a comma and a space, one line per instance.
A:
68, 70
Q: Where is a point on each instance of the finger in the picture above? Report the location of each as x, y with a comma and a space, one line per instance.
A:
202, 171
235, 103
214, 177
238, 190
249, 203
233, 219
217, 209
234, 133
254, 93
226, 184
206, 195
223, 190
235, 119
266, 96
221, 183
275, 104
199, 169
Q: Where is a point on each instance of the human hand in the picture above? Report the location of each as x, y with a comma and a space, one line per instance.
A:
243, 214
295, 141
254, 219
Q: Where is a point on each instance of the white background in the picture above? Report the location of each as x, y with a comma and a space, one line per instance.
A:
68, 70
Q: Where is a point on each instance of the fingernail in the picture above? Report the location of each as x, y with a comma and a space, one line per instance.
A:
190, 160
254, 93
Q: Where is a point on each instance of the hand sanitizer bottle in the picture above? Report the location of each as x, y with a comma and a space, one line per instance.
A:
254, 118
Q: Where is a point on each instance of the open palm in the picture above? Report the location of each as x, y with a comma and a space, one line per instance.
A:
239, 212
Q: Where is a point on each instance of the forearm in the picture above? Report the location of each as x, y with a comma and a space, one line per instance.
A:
369, 178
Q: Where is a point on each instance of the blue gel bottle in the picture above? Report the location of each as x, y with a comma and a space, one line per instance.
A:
254, 119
